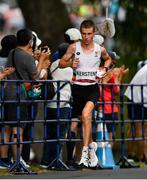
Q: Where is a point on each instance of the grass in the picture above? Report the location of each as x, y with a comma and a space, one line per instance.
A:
34, 168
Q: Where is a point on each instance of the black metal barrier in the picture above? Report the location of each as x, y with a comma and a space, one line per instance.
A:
19, 100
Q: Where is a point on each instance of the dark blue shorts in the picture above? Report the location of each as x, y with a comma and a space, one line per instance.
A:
136, 111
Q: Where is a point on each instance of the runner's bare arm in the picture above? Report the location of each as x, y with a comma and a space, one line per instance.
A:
66, 60
106, 58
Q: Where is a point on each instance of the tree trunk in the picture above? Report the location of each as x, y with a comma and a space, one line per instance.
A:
48, 18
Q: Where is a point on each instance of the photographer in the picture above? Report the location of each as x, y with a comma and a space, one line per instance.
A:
25, 69
33, 107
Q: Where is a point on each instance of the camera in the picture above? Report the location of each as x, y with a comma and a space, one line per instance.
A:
45, 49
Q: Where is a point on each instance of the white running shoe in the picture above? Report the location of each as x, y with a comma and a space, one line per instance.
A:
93, 160
84, 157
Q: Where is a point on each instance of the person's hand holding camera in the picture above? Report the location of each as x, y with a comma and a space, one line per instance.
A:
44, 60
45, 53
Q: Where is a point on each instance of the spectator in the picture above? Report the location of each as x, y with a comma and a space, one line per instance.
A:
109, 94
137, 110
50, 148
25, 69
31, 116
71, 35
4, 160
84, 89
8, 43
49, 151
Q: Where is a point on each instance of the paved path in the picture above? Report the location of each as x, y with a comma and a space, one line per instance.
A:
132, 173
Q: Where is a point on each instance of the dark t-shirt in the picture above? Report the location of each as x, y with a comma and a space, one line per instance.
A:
25, 65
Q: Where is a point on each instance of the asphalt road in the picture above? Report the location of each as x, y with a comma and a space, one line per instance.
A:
129, 173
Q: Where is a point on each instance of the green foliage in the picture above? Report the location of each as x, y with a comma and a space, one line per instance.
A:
131, 34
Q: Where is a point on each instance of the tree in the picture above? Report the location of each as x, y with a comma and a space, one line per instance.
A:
130, 38
48, 18
131, 35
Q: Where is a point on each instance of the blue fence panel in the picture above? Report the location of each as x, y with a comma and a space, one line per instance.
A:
122, 122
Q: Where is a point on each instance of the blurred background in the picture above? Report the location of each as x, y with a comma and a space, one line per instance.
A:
50, 19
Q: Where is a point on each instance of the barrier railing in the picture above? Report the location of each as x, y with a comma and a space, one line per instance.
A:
123, 120
20, 100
